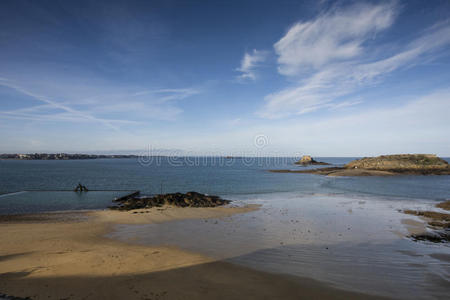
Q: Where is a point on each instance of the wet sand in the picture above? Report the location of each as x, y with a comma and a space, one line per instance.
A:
358, 243
67, 256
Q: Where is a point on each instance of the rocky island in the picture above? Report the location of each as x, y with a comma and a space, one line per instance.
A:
385, 165
190, 199
307, 160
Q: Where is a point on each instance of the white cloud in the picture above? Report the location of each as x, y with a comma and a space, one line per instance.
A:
335, 35
420, 125
327, 86
249, 63
109, 106
165, 95
68, 111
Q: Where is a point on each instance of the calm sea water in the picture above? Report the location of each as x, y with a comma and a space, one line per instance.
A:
220, 176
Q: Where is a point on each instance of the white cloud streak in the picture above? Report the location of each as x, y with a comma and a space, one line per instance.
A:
249, 63
332, 78
165, 95
53, 104
335, 35
101, 108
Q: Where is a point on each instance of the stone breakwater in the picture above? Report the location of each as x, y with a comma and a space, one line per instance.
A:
190, 199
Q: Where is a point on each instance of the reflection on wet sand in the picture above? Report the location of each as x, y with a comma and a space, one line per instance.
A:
353, 243
69, 258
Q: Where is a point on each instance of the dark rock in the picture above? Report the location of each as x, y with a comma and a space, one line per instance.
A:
439, 224
435, 236
190, 199
81, 188
436, 216
445, 225
308, 160
444, 205
8, 297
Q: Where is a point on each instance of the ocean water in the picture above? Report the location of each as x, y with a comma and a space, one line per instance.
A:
232, 177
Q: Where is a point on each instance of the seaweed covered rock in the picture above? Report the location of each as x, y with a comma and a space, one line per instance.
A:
438, 224
435, 237
444, 205
190, 199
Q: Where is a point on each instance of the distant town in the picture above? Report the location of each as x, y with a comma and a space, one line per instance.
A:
60, 156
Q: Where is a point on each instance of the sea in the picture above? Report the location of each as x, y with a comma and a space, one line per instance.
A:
349, 232
28, 186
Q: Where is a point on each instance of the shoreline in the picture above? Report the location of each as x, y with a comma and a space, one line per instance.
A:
342, 171
67, 255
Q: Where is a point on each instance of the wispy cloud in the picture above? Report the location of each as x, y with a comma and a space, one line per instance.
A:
102, 107
418, 125
249, 63
53, 104
336, 35
330, 77
165, 95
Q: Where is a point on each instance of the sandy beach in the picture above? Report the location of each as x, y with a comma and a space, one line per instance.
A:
67, 256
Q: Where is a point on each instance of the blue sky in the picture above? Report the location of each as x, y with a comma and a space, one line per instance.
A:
225, 77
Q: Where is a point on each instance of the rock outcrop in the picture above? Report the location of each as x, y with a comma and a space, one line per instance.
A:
190, 199
81, 188
385, 165
399, 162
8, 297
438, 224
308, 160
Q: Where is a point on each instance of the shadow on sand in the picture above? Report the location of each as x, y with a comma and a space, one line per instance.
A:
216, 280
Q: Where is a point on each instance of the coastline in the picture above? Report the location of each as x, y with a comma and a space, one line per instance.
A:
342, 171
68, 256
